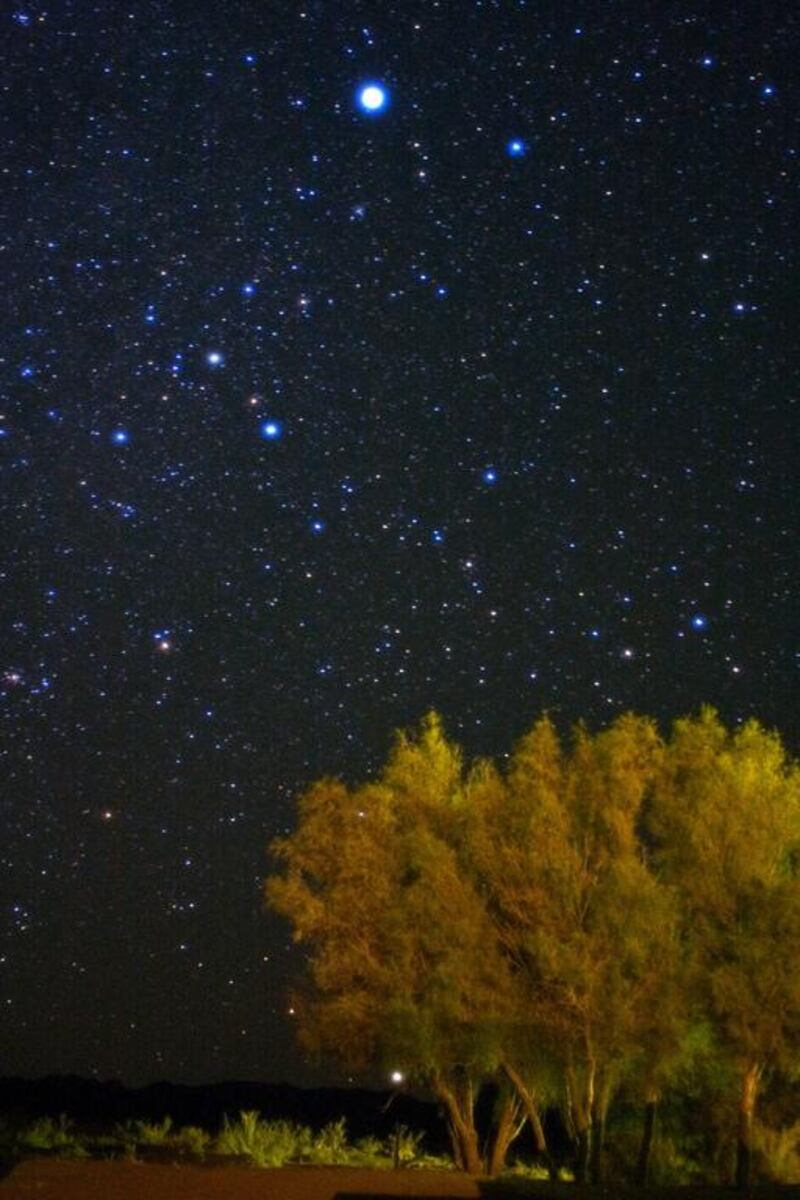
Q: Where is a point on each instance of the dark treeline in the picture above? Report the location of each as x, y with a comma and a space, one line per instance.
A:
600, 925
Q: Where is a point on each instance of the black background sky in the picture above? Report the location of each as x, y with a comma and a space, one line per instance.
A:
313, 419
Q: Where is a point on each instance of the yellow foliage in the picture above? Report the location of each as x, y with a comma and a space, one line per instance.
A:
574, 907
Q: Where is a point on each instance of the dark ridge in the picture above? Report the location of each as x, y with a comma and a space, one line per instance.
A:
90, 1102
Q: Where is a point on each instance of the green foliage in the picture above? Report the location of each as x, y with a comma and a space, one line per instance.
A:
193, 1139
150, 1133
676, 1159
778, 1153
330, 1144
675, 1162
124, 1135
534, 1172
402, 1149
370, 1152
56, 1136
276, 1143
136, 1133
264, 1143
405, 1145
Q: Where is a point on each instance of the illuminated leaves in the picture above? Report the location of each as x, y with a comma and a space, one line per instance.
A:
564, 914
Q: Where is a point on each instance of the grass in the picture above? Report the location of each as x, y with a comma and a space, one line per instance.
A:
50, 1136
264, 1143
248, 1136
281, 1143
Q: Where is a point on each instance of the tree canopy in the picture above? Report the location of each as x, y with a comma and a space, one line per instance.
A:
556, 926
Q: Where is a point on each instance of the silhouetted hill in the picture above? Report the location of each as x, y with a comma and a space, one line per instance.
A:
92, 1103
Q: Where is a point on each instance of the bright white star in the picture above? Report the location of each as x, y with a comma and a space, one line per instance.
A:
372, 97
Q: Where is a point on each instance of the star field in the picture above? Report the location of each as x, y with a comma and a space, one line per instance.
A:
357, 359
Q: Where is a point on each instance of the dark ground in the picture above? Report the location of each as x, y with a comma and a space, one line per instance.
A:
59, 1180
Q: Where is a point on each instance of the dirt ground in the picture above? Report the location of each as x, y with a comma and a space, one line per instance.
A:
51, 1179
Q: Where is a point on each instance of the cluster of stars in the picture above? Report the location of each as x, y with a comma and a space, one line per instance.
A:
352, 370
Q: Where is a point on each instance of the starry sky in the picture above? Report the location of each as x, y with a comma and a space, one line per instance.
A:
360, 358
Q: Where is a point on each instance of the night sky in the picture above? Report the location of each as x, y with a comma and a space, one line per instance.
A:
317, 415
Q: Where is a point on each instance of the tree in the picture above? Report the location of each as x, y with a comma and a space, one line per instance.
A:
725, 819
589, 933
402, 963
564, 926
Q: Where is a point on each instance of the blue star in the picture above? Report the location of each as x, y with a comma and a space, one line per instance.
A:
317, 526
120, 437
699, 621
248, 289
516, 148
372, 98
215, 358
489, 476
271, 430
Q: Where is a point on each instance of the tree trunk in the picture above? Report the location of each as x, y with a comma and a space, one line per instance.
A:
646, 1144
744, 1143
602, 1098
455, 1146
596, 1148
582, 1106
470, 1152
460, 1105
531, 1110
583, 1152
508, 1126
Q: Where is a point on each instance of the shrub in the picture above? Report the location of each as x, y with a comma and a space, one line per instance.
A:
403, 1146
125, 1136
370, 1152
59, 1136
330, 1144
532, 1171
265, 1143
778, 1153
193, 1139
148, 1133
